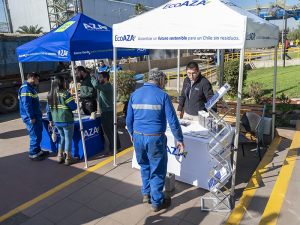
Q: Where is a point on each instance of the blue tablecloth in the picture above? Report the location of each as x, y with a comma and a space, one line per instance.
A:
93, 133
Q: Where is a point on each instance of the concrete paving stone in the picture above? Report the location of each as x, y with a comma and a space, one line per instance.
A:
105, 182
109, 221
125, 189
134, 178
122, 172
90, 178
106, 203
83, 215
137, 196
187, 191
158, 219
130, 211
37, 220
197, 216
180, 207
184, 223
87, 193
53, 199
16, 219
61, 210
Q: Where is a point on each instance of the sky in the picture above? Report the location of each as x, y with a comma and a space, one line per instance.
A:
252, 3
2, 17
247, 4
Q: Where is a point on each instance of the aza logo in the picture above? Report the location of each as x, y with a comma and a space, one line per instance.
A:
62, 53
127, 37
94, 27
92, 132
172, 150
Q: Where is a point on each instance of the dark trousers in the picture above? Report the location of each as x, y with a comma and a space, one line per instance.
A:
89, 106
107, 121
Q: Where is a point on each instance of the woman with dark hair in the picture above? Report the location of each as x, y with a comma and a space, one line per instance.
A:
59, 111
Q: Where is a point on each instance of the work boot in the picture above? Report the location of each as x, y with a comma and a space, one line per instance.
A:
69, 160
147, 199
60, 156
166, 204
42, 155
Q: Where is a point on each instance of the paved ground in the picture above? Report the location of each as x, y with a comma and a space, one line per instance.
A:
108, 195
47, 193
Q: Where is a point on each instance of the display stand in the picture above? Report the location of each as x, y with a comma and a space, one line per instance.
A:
220, 147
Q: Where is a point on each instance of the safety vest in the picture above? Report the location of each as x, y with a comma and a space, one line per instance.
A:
62, 113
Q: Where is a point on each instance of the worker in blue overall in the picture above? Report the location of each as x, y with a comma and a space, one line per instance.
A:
102, 67
149, 109
31, 115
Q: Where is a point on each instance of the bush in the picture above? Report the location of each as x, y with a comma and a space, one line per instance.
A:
126, 84
284, 99
231, 76
145, 78
255, 91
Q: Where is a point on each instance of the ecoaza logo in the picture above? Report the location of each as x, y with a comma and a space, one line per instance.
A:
94, 27
187, 3
91, 132
125, 38
62, 53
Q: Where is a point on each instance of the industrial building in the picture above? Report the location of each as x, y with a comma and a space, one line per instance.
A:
50, 13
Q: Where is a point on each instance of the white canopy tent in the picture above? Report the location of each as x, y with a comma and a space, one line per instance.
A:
200, 24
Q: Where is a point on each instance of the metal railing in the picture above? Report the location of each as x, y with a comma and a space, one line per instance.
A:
262, 55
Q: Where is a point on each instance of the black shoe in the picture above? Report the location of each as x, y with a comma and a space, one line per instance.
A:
45, 153
166, 204
147, 199
38, 158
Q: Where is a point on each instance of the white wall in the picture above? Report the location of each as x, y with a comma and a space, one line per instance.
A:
29, 12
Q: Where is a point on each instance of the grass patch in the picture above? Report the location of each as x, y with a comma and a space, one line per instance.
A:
288, 80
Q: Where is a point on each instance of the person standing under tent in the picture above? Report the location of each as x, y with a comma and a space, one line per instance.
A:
112, 69
196, 91
149, 109
287, 46
106, 103
31, 115
102, 67
88, 93
59, 111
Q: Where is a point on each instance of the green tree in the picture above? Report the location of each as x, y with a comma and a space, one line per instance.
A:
30, 30
139, 8
231, 75
294, 34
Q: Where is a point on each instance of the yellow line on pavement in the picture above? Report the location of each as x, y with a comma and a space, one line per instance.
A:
274, 205
61, 186
238, 212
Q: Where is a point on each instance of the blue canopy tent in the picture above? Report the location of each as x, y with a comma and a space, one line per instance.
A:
80, 38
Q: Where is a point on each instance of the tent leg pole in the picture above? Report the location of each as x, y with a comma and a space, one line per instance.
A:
178, 71
221, 64
149, 62
22, 72
96, 70
79, 115
274, 93
237, 126
115, 104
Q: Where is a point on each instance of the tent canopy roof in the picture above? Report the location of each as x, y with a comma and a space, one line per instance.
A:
196, 24
80, 38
